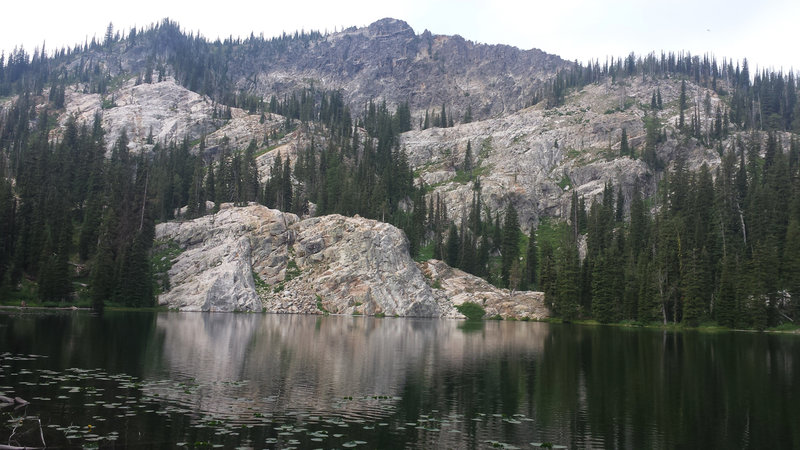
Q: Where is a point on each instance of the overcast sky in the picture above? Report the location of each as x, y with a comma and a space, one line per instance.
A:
765, 32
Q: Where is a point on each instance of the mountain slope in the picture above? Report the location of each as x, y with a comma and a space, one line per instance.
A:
354, 123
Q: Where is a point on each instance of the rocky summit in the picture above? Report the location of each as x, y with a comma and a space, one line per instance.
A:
259, 259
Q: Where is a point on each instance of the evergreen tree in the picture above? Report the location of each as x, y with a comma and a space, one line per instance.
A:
453, 244
467, 167
566, 303
693, 301
682, 107
482, 264
103, 280
416, 234
137, 288
791, 265
603, 301
726, 311
287, 190
529, 279
497, 233
7, 211
624, 149
510, 243
652, 137
548, 275
467, 115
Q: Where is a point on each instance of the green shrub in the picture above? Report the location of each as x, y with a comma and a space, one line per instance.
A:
320, 307
472, 311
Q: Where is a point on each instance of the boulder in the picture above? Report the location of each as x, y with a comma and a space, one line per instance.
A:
258, 259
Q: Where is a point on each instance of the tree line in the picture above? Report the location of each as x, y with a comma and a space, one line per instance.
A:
73, 219
722, 249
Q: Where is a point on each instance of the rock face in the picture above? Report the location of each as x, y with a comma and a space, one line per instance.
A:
459, 287
535, 158
258, 259
167, 110
389, 60
352, 266
215, 270
386, 59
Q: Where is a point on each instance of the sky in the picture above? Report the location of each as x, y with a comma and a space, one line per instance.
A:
765, 32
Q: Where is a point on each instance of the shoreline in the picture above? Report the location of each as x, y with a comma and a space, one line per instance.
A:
551, 320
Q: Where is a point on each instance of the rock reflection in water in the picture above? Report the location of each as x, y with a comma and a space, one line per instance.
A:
293, 364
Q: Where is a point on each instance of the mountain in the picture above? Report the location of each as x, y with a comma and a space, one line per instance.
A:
387, 61
463, 146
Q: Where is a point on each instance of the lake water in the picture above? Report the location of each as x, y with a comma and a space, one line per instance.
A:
265, 381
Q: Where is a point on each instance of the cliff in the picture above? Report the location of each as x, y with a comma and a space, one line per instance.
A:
257, 259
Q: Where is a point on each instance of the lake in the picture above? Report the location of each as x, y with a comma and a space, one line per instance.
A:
263, 381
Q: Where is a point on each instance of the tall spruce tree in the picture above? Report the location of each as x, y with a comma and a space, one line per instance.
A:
530, 280
510, 243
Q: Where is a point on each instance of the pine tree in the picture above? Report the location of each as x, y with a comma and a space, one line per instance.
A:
467, 115
566, 303
624, 149
468, 159
510, 243
531, 262
482, 264
548, 274
791, 265
682, 107
7, 211
416, 234
137, 288
693, 301
725, 310
249, 174
453, 244
603, 307
54, 280
287, 193
497, 233
619, 209
103, 279
652, 135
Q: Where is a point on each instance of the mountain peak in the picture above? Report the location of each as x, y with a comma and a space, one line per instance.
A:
389, 26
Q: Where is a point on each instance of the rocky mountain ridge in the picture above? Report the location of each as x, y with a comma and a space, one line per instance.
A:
389, 60
532, 157
537, 157
386, 60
